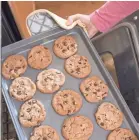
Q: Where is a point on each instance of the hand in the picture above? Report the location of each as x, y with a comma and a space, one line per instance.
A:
91, 29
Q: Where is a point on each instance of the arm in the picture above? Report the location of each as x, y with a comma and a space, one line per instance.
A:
111, 13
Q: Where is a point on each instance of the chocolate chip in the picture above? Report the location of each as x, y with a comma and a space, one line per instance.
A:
54, 85
22, 83
63, 50
102, 124
74, 102
98, 90
10, 70
13, 96
50, 135
29, 103
72, 71
64, 126
30, 56
39, 52
22, 115
61, 105
72, 45
69, 111
78, 69
98, 118
30, 119
29, 109
45, 48
65, 102
65, 43
18, 67
19, 92
87, 89
104, 94
95, 84
45, 79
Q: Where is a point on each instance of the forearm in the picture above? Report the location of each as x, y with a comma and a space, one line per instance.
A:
111, 13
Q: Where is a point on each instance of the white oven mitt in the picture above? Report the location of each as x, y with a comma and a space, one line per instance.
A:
61, 21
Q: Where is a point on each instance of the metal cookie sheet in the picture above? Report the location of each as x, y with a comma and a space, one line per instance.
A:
88, 109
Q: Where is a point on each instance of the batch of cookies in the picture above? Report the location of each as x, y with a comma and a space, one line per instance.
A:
64, 102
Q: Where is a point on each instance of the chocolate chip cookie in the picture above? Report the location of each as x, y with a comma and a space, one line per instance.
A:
49, 81
39, 57
14, 66
77, 128
108, 116
22, 89
94, 89
122, 134
78, 66
67, 102
32, 113
44, 132
65, 47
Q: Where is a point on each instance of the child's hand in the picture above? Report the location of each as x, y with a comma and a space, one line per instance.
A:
92, 30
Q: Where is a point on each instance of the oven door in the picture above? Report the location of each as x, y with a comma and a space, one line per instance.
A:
119, 52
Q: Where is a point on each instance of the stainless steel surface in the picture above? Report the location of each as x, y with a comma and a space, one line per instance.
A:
85, 48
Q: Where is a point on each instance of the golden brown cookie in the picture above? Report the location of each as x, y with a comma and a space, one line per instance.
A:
50, 81
67, 102
65, 47
39, 57
122, 134
14, 66
44, 132
32, 113
108, 116
22, 89
94, 89
77, 128
78, 66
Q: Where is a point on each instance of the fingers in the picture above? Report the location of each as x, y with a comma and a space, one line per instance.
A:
72, 18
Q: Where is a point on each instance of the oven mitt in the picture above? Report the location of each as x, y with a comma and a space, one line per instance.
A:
43, 20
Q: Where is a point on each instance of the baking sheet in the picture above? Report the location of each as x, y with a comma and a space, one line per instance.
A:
84, 48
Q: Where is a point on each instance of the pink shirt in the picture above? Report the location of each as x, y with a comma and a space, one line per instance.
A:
111, 13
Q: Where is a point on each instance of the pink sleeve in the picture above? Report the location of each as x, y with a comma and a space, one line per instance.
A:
111, 13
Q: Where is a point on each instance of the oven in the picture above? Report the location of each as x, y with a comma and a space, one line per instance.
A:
116, 49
